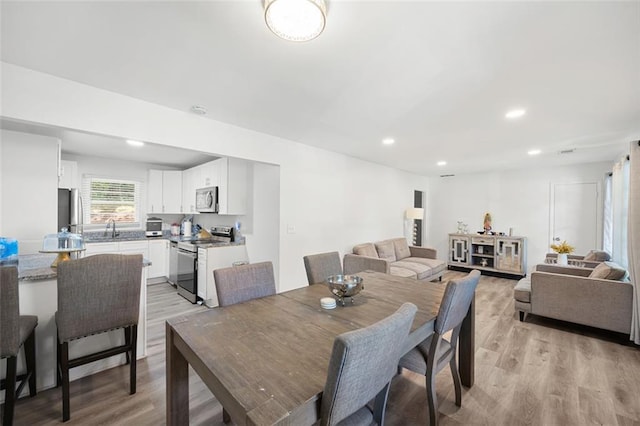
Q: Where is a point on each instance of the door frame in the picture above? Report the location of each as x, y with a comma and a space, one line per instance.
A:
599, 209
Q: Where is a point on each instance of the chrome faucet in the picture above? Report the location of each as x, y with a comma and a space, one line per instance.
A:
111, 223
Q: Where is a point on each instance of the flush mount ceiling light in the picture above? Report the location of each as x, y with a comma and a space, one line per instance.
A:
515, 113
135, 143
534, 152
441, 163
388, 141
295, 20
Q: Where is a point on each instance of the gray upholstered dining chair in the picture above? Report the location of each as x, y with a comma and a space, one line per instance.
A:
361, 367
15, 331
242, 283
320, 266
435, 352
97, 294
239, 284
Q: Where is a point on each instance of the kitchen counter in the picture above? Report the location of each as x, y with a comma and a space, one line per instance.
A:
34, 267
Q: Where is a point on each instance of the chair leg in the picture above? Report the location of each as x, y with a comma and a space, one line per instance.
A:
30, 358
127, 341
521, 315
226, 418
380, 405
10, 391
432, 398
456, 381
133, 338
58, 358
64, 372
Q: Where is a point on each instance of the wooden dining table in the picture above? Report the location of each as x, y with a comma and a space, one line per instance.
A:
266, 360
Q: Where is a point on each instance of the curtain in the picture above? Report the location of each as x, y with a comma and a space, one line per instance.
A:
620, 209
607, 228
634, 236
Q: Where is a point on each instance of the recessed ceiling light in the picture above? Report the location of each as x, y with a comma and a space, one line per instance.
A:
534, 152
135, 143
388, 141
515, 113
441, 163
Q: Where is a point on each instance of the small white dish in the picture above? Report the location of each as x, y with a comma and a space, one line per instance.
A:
328, 303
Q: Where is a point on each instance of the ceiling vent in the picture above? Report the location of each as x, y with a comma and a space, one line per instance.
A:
447, 175
567, 151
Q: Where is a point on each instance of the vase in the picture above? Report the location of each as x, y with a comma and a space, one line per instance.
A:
562, 259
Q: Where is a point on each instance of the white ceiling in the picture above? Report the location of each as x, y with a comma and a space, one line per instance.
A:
436, 76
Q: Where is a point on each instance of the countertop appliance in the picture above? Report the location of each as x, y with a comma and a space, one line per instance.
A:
154, 227
207, 200
70, 212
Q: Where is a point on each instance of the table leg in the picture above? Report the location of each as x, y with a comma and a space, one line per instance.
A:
467, 346
177, 372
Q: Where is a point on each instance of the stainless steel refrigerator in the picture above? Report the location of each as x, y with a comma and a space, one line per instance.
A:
70, 210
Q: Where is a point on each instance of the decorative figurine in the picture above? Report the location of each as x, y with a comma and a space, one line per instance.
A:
487, 222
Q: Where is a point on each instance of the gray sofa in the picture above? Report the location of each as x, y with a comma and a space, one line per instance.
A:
395, 257
599, 297
589, 260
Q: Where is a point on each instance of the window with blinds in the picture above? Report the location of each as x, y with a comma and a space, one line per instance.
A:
107, 198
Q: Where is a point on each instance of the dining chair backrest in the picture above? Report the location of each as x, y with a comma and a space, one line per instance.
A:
456, 301
239, 284
9, 312
98, 293
362, 363
320, 266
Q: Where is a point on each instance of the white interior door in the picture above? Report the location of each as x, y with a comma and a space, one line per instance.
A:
574, 215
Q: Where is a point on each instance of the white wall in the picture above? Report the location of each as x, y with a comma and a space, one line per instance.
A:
29, 191
518, 199
327, 201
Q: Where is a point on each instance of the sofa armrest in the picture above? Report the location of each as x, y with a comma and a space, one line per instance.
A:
426, 252
354, 263
590, 301
565, 270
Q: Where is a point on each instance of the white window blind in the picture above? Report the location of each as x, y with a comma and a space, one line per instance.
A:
107, 198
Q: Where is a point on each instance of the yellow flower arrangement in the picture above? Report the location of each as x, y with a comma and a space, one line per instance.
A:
563, 247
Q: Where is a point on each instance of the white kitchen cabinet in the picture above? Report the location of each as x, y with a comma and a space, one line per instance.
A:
232, 185
159, 257
210, 259
172, 191
154, 191
100, 248
188, 190
164, 193
68, 174
209, 175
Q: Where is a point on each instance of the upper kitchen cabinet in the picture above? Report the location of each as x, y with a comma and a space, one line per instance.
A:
165, 191
232, 186
202, 176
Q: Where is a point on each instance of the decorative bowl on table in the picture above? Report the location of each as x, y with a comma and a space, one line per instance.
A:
345, 286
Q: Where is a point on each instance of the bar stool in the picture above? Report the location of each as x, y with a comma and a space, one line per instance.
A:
15, 331
97, 294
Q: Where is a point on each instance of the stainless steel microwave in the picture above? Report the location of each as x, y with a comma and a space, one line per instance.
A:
207, 200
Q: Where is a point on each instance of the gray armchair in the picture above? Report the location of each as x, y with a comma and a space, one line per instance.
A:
97, 294
16, 331
434, 353
362, 364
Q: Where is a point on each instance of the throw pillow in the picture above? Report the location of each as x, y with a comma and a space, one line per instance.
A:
402, 248
597, 256
608, 271
386, 250
366, 249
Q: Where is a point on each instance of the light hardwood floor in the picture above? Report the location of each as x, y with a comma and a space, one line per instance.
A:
540, 372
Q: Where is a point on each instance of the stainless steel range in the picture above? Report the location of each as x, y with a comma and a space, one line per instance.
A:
187, 279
